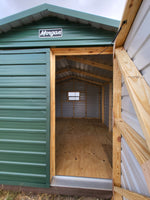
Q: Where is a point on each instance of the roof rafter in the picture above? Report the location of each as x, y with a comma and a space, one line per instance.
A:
63, 70
89, 81
90, 62
64, 78
84, 73
91, 75
79, 78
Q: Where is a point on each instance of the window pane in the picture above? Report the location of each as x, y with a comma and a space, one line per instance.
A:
73, 98
73, 94
78, 94
69, 93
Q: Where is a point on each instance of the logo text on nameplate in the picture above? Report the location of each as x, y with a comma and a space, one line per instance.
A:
50, 33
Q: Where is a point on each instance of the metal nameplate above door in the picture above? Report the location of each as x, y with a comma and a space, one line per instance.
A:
50, 33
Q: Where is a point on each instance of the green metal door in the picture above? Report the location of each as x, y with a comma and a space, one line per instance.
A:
24, 117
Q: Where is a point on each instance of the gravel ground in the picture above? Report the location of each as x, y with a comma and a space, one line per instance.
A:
5, 195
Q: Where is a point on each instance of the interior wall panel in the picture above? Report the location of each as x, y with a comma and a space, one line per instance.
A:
79, 107
88, 106
92, 101
106, 105
58, 101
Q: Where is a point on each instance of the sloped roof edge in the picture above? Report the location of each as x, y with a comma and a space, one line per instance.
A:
60, 10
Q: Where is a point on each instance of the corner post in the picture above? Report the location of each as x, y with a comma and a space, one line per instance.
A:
116, 132
52, 114
103, 104
110, 107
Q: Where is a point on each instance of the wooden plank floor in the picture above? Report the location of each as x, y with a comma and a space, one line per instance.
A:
83, 148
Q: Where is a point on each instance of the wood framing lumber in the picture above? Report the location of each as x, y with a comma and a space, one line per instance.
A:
138, 147
136, 143
116, 132
61, 99
110, 107
52, 115
64, 78
129, 15
90, 62
63, 70
146, 171
100, 89
84, 73
83, 51
76, 78
103, 104
89, 81
85, 89
138, 89
90, 75
79, 78
73, 101
130, 195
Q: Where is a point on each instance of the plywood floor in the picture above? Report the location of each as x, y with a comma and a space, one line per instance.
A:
83, 148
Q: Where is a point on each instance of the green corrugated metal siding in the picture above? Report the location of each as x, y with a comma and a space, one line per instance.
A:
74, 34
24, 117
64, 12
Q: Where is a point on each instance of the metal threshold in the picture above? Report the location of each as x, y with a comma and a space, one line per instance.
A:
82, 183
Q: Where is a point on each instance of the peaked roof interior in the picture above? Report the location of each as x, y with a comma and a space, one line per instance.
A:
94, 69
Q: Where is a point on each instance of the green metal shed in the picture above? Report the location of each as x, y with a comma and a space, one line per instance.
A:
78, 29
26, 40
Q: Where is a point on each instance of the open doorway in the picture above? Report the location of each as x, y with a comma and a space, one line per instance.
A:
84, 116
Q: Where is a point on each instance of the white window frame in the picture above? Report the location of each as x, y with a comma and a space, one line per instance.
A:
73, 96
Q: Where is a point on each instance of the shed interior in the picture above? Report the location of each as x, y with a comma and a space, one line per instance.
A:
84, 116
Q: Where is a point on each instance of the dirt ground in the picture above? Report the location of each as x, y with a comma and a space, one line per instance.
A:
5, 195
